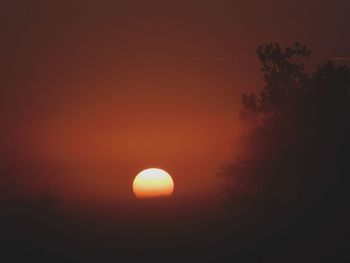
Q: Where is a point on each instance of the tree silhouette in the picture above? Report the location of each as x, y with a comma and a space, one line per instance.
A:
296, 138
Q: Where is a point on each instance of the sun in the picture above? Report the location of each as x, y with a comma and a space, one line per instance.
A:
153, 182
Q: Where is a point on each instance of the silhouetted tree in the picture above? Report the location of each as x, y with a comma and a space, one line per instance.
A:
295, 146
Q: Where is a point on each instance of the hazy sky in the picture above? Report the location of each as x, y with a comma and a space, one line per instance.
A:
94, 91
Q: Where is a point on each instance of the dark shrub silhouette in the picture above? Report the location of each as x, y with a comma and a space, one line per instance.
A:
292, 163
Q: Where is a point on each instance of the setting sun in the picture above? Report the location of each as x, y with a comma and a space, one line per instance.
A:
153, 182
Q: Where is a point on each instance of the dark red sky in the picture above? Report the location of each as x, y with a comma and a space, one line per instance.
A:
94, 91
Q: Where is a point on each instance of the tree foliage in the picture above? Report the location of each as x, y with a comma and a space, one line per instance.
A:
296, 140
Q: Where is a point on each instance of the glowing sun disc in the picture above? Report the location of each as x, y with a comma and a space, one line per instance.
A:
153, 182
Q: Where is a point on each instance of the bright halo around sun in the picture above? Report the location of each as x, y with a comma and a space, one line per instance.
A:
153, 182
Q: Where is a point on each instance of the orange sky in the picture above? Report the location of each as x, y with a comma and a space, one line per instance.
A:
94, 93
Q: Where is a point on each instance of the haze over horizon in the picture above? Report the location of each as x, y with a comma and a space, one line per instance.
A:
94, 92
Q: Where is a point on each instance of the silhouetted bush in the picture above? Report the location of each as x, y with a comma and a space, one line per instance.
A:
296, 140
290, 171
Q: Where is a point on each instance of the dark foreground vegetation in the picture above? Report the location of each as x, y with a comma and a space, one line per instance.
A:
293, 164
287, 191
